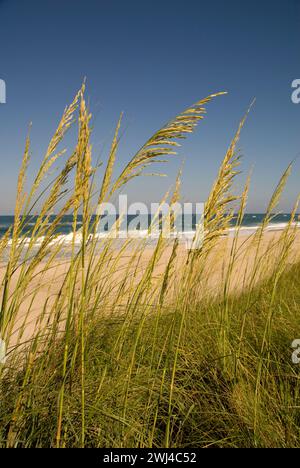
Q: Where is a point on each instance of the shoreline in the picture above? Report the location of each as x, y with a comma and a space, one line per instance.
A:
47, 282
122, 235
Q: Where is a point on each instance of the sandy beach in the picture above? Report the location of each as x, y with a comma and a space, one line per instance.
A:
45, 287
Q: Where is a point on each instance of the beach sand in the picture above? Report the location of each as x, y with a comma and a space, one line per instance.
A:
46, 283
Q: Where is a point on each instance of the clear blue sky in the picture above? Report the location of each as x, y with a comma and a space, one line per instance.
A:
151, 59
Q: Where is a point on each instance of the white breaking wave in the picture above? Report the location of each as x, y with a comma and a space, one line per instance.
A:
270, 227
68, 239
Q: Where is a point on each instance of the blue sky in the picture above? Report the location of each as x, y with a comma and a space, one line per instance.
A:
151, 59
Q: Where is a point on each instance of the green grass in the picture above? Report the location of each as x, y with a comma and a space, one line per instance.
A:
129, 355
128, 387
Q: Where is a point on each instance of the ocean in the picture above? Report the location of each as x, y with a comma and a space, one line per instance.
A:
140, 224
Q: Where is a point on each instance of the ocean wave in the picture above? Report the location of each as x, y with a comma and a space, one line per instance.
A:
68, 239
269, 227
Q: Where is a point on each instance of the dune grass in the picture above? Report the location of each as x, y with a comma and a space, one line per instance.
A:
128, 349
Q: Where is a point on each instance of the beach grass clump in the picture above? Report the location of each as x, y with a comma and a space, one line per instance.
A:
138, 346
